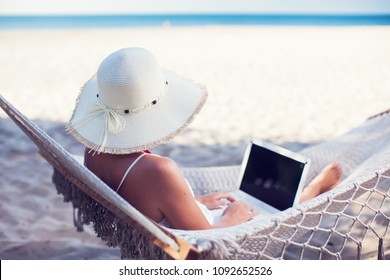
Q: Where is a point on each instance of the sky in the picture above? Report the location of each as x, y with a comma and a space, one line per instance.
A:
65, 7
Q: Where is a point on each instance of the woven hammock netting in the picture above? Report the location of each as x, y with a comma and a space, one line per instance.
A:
349, 222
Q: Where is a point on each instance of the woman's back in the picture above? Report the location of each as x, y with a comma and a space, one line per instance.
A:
112, 169
152, 184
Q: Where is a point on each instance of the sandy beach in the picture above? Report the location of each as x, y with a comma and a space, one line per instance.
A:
294, 86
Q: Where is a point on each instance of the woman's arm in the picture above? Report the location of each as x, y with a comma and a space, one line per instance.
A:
178, 205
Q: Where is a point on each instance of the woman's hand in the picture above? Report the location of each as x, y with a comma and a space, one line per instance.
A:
237, 213
215, 200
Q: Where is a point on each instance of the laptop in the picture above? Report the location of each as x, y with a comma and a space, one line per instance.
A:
271, 177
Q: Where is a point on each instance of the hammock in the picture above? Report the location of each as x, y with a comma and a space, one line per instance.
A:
349, 222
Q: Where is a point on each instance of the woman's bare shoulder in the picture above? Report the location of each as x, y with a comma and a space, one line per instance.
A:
161, 168
164, 178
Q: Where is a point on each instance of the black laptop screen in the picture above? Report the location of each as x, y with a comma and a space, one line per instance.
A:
271, 177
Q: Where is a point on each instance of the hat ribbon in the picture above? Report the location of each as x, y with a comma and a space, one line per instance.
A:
113, 122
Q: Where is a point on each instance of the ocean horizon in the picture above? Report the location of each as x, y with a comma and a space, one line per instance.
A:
154, 20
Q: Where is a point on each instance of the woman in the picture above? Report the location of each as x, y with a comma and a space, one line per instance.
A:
132, 105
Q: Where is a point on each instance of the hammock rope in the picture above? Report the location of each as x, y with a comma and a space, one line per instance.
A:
350, 222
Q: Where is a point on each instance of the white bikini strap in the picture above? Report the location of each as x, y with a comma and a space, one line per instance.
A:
128, 170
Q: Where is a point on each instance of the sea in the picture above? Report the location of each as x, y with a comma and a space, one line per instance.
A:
115, 21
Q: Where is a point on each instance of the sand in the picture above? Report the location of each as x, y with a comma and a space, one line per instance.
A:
295, 86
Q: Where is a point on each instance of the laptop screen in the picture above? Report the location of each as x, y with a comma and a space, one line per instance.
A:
272, 177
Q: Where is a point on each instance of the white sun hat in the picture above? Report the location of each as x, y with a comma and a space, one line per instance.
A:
132, 104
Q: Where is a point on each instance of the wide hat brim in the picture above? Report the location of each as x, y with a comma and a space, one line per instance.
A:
143, 130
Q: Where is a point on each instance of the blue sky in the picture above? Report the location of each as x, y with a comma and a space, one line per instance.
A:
56, 7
